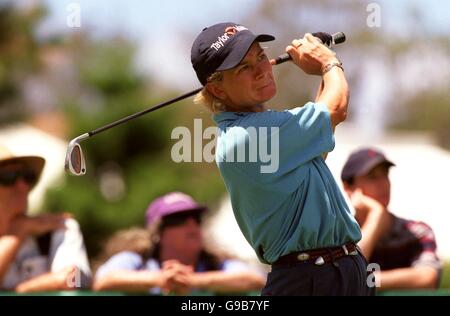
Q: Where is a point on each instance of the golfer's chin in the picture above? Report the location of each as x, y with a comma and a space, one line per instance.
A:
267, 92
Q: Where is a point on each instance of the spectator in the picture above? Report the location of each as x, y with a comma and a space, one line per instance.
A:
177, 261
404, 249
37, 253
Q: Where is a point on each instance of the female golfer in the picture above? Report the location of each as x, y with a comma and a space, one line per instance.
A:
292, 213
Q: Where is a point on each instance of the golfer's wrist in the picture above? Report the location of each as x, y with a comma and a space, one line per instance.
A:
332, 65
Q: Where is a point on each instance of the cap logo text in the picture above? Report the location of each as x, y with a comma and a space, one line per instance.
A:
229, 31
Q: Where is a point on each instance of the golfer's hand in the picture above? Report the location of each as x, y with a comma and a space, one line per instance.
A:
310, 55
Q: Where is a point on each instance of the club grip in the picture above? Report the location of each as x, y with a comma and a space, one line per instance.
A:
282, 58
338, 38
325, 38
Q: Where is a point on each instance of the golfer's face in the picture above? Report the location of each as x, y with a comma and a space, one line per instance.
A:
251, 82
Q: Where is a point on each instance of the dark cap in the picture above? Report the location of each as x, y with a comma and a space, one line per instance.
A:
171, 203
221, 47
360, 162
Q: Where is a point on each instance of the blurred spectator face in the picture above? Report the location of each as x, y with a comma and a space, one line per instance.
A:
15, 183
375, 184
181, 233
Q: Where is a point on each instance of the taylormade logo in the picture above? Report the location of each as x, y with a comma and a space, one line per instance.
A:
231, 30
249, 144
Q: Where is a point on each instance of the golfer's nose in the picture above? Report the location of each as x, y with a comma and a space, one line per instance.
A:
259, 72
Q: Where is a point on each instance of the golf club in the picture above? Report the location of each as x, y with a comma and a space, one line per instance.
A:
75, 163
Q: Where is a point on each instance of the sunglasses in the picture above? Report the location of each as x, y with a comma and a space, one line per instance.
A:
180, 218
10, 177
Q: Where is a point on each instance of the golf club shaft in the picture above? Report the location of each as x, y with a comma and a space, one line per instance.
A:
132, 116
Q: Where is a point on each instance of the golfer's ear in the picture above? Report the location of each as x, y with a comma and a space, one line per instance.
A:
216, 90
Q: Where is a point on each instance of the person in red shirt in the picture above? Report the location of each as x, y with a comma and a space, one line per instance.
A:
404, 249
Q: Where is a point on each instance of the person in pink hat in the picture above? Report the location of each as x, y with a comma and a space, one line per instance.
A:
177, 261
37, 253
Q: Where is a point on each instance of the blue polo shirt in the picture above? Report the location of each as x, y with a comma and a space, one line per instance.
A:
291, 201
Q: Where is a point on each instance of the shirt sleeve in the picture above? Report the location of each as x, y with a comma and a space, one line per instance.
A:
298, 135
427, 256
125, 260
67, 249
305, 134
293, 137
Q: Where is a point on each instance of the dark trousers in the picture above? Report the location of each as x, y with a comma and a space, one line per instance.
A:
346, 276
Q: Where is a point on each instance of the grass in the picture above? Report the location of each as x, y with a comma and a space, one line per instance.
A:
445, 282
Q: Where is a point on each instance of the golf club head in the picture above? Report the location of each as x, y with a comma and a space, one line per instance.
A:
75, 163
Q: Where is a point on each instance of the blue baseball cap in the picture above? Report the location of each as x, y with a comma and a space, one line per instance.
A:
221, 47
360, 163
171, 203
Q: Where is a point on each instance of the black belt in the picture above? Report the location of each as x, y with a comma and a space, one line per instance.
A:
317, 256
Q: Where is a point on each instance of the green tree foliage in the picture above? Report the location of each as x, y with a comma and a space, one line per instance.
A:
427, 111
18, 56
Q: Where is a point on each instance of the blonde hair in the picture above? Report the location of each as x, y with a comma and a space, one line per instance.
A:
206, 98
133, 239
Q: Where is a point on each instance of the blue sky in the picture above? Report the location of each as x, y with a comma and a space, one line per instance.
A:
161, 28
138, 17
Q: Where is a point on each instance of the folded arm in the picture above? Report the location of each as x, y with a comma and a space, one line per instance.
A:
51, 281
313, 57
223, 282
130, 281
422, 277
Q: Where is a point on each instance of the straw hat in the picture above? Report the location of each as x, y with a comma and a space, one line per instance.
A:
36, 163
